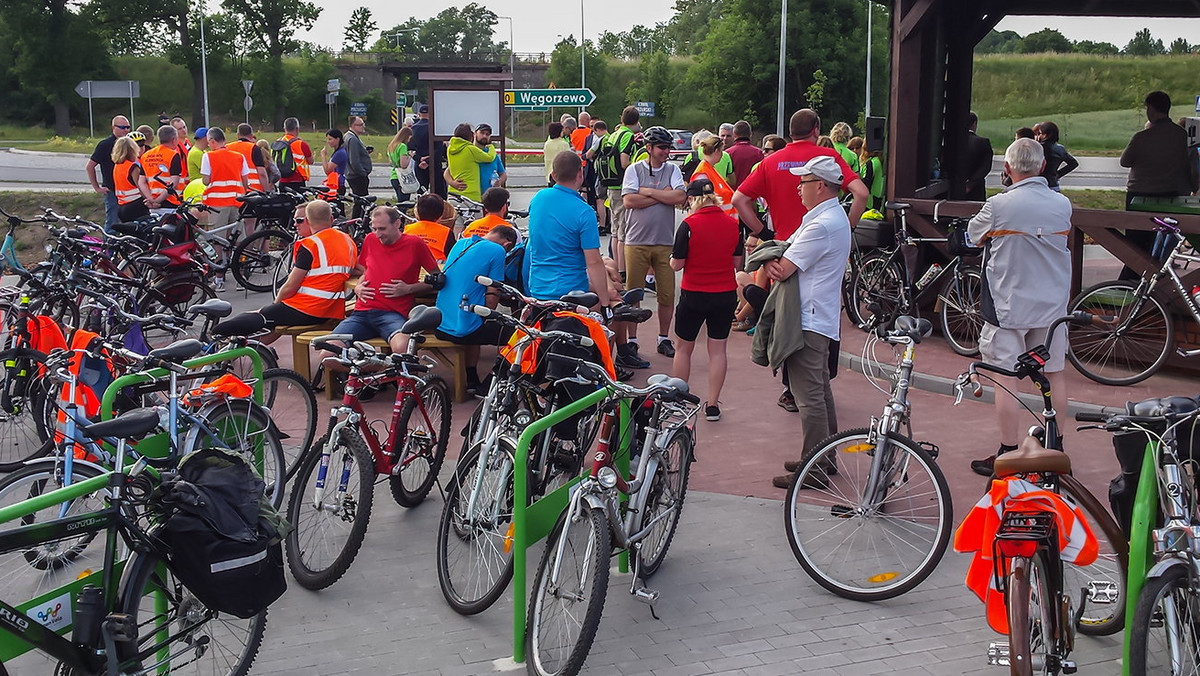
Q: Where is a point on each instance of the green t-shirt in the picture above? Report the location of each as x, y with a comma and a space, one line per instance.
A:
725, 166
394, 159
849, 156
195, 156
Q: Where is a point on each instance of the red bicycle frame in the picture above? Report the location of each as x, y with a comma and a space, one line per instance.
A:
385, 454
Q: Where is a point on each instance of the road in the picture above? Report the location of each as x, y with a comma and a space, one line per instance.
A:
30, 170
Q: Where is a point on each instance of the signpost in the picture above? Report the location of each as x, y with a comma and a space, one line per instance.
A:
645, 108
248, 102
108, 89
401, 102
332, 88
358, 109
541, 99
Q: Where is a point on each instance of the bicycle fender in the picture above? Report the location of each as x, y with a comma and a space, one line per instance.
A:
36, 462
1159, 569
595, 501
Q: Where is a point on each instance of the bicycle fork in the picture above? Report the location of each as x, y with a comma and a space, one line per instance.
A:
336, 429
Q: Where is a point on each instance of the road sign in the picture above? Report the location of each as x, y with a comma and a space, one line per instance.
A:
109, 89
331, 98
247, 85
333, 85
1197, 102
395, 117
401, 99
358, 109
569, 98
644, 108
247, 104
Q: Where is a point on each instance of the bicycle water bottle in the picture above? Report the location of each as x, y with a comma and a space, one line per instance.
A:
929, 275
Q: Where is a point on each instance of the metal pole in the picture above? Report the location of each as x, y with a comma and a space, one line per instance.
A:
582, 50
867, 99
204, 63
782, 79
91, 116
131, 118
512, 70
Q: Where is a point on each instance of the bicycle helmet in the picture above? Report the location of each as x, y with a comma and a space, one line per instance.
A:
656, 135
137, 137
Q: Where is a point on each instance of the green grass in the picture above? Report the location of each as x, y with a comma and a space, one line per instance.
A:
1104, 132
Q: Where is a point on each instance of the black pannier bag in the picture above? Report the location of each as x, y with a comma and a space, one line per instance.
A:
1130, 448
956, 240
221, 534
556, 370
871, 234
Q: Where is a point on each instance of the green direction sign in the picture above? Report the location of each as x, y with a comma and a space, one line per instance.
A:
401, 99
543, 98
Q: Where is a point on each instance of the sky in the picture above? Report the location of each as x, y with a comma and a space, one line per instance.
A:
536, 30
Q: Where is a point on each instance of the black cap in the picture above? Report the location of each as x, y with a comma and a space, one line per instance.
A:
483, 125
422, 109
700, 186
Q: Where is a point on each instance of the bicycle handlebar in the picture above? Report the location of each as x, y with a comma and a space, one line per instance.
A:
670, 387
488, 313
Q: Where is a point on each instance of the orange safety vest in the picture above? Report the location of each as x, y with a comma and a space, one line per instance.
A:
298, 155
323, 291
435, 235
977, 533
483, 226
529, 361
224, 179
87, 398
183, 148
127, 191
720, 186
246, 149
156, 163
332, 180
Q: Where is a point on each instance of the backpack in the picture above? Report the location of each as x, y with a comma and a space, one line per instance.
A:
514, 267
284, 158
608, 157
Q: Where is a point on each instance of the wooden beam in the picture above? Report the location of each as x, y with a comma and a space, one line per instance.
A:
919, 13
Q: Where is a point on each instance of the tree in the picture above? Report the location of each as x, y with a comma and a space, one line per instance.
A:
691, 23
564, 66
272, 26
1046, 40
1103, 48
1144, 44
999, 42
1180, 46
454, 34
653, 83
814, 96
359, 30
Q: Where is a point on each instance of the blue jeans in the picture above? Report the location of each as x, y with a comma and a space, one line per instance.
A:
110, 209
367, 324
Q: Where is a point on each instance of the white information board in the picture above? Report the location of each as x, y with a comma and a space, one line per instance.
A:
453, 107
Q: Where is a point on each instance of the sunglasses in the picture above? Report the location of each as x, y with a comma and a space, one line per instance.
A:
300, 220
663, 146
122, 126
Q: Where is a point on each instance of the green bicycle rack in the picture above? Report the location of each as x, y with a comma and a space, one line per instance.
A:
533, 523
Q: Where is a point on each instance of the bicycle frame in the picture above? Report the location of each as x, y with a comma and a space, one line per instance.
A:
1149, 282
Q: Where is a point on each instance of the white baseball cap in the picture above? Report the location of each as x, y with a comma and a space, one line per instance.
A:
823, 167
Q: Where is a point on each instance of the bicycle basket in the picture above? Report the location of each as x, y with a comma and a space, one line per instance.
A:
956, 240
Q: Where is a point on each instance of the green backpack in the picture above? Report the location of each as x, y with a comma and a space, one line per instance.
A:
608, 157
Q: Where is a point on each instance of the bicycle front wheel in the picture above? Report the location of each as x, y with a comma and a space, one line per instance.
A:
1099, 588
568, 594
1130, 340
877, 288
293, 406
421, 448
864, 543
26, 407
1166, 626
329, 522
668, 487
959, 309
1031, 626
246, 428
257, 259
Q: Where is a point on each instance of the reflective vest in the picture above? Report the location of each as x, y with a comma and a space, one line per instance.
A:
156, 163
435, 235
720, 186
298, 157
127, 190
246, 149
332, 181
224, 179
323, 291
529, 360
183, 147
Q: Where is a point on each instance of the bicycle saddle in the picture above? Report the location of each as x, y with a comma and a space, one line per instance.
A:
135, 229
423, 318
242, 325
678, 384
896, 206
584, 298
132, 425
178, 351
213, 309
1162, 406
168, 231
154, 260
912, 327
1031, 456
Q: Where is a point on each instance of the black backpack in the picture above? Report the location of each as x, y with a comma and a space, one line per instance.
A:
284, 158
608, 157
221, 534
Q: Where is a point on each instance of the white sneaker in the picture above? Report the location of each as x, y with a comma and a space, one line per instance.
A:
219, 285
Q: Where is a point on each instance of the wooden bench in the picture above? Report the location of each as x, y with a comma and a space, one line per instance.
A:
450, 353
300, 361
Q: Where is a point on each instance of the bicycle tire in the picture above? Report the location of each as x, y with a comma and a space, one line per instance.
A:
1108, 572
293, 405
256, 268
421, 452
232, 643
880, 282
27, 411
1027, 628
1109, 358
243, 425
668, 489
482, 584
819, 492
354, 509
590, 566
959, 308
1171, 595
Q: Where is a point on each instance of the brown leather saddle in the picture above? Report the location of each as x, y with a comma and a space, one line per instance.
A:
1031, 456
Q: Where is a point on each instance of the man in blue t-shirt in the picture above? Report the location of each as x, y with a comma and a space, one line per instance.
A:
491, 174
469, 258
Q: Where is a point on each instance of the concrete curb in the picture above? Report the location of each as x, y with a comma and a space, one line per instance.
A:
22, 151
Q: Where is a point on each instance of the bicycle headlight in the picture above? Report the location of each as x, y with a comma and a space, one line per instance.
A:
522, 418
607, 477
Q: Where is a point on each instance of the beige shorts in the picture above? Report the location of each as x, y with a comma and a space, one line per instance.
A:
1001, 347
641, 259
616, 206
222, 216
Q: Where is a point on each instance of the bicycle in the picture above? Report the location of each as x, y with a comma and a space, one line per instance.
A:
1043, 611
869, 513
262, 260
1139, 332
638, 513
330, 510
883, 282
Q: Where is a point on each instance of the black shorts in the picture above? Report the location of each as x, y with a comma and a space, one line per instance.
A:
278, 314
490, 333
696, 308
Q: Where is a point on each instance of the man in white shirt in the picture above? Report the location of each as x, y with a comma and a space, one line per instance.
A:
816, 254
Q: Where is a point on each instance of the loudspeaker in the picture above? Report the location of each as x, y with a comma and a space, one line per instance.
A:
875, 130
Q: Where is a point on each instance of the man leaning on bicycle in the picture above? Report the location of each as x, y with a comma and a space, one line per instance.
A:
1027, 278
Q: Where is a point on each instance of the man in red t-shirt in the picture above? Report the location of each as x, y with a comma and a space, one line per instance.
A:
390, 263
774, 181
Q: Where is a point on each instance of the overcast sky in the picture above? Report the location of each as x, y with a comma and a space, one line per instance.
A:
536, 30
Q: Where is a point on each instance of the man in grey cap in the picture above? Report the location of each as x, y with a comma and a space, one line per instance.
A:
816, 254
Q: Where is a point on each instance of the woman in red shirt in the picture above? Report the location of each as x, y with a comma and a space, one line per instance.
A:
706, 244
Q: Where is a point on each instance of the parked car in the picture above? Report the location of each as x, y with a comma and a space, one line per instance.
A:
682, 139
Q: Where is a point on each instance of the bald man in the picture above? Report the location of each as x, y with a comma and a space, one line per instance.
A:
102, 157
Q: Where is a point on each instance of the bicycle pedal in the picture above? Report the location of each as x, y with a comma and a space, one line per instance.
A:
1068, 666
121, 627
646, 595
997, 654
930, 448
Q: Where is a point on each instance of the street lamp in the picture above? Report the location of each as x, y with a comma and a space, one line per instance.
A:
512, 70
396, 34
782, 54
203, 63
582, 49
867, 98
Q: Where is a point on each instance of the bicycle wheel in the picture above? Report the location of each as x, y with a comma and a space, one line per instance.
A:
1031, 626
1099, 588
564, 610
293, 406
178, 634
1166, 626
959, 309
878, 288
246, 428
422, 448
1124, 350
474, 550
26, 407
256, 259
668, 488
861, 546
173, 295
328, 525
